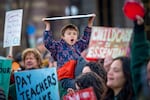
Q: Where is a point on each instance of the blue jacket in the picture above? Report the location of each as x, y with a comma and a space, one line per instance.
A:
63, 52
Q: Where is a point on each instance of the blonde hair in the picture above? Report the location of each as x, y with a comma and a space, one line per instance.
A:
36, 54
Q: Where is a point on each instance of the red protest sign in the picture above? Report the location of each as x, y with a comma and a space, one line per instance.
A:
84, 94
131, 8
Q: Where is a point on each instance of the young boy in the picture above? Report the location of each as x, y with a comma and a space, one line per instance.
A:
67, 50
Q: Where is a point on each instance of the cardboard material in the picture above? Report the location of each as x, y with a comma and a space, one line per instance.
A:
13, 25
108, 41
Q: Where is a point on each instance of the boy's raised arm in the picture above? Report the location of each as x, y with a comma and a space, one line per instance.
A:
47, 23
91, 20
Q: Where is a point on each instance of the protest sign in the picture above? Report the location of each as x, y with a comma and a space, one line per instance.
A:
12, 31
5, 70
109, 41
84, 94
37, 84
69, 17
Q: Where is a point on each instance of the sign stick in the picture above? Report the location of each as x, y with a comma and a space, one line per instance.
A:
10, 51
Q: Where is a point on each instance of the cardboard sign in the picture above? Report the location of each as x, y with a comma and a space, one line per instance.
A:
5, 70
84, 94
12, 31
109, 41
38, 84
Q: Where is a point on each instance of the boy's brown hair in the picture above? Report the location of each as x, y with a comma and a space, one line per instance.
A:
69, 26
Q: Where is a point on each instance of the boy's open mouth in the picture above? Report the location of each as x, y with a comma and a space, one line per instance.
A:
72, 40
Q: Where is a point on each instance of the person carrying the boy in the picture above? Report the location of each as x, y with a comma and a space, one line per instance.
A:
67, 50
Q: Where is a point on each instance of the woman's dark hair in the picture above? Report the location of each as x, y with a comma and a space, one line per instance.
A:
98, 69
91, 79
127, 92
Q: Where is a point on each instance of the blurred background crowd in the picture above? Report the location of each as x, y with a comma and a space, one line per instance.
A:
109, 13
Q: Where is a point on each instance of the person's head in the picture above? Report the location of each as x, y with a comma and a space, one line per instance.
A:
31, 58
97, 68
18, 59
69, 33
40, 45
91, 79
119, 77
107, 62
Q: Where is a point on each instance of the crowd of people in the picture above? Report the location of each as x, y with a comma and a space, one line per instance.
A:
121, 78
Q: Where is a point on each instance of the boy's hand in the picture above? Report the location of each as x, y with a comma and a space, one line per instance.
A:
91, 20
47, 23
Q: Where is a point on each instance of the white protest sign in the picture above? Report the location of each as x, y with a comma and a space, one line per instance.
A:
12, 31
109, 41
69, 17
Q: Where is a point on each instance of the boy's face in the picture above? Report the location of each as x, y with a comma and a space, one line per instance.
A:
70, 36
